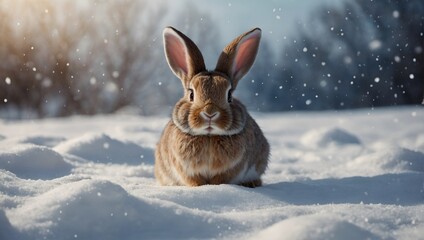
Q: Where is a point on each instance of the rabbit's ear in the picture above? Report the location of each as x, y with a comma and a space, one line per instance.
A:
238, 56
183, 56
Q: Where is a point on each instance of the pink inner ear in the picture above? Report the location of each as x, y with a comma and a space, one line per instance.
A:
176, 54
246, 53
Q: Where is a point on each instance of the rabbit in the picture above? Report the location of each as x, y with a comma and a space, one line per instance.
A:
211, 138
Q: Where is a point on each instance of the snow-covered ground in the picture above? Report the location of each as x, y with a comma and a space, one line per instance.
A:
348, 175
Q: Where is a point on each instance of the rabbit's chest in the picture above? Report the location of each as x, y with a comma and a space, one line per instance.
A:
210, 155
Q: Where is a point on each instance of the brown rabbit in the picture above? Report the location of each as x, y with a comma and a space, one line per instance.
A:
211, 138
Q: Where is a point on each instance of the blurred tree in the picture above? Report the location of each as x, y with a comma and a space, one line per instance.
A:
363, 54
400, 28
18, 69
71, 57
130, 47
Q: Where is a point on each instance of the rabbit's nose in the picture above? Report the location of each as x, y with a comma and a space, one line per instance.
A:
209, 116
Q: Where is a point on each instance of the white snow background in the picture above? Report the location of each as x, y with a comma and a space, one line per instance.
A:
355, 174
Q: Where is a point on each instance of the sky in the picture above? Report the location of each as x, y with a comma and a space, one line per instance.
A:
275, 18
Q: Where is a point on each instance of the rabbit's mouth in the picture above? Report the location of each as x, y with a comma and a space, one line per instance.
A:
211, 129
209, 121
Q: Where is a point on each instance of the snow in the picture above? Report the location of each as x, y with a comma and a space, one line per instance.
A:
324, 226
104, 149
326, 137
355, 174
34, 162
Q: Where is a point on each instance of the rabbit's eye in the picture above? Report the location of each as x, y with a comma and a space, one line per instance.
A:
191, 94
230, 95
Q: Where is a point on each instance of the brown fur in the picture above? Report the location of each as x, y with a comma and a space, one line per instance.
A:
236, 151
